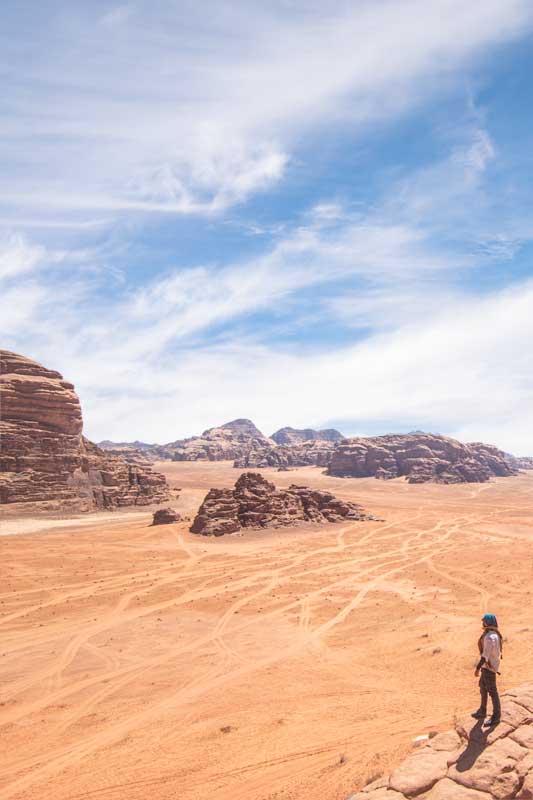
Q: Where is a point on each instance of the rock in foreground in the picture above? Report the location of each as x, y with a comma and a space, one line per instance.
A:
471, 762
44, 458
165, 516
421, 457
256, 503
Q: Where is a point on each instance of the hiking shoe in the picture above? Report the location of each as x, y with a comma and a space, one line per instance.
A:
479, 714
491, 722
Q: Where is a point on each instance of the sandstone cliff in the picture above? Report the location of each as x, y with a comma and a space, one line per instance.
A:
292, 436
45, 459
310, 453
256, 503
469, 763
421, 457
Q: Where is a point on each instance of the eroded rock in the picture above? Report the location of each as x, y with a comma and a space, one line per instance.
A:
46, 462
421, 457
256, 503
165, 516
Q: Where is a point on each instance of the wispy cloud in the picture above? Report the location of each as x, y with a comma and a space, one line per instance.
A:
127, 124
192, 111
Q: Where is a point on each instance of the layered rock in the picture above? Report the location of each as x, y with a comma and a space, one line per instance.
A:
521, 462
294, 436
256, 503
470, 762
240, 441
45, 459
311, 453
421, 457
227, 442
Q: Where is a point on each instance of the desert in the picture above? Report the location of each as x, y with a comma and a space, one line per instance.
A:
288, 663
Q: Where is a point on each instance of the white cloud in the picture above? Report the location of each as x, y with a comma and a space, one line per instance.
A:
467, 372
148, 367
148, 113
18, 256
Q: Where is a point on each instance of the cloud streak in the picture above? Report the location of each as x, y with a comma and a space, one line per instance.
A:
192, 112
131, 124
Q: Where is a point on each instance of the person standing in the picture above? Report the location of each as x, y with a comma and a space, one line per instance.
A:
490, 651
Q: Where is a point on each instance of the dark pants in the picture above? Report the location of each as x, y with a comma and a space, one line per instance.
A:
487, 685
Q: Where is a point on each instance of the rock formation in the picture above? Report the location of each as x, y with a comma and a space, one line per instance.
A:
311, 453
256, 503
45, 459
521, 462
291, 436
421, 457
165, 516
469, 763
227, 442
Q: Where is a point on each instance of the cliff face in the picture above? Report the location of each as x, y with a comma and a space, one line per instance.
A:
470, 762
45, 459
309, 453
421, 457
292, 436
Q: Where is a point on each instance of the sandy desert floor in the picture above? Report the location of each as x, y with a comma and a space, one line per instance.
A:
140, 661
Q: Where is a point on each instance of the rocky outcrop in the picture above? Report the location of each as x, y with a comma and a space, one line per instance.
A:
227, 442
421, 457
316, 453
523, 462
165, 516
256, 503
240, 441
470, 762
292, 436
44, 458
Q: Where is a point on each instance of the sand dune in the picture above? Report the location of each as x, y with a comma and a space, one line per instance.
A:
139, 661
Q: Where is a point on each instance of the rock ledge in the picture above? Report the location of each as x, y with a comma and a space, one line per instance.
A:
470, 762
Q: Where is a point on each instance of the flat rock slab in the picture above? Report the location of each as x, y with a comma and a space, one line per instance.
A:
470, 763
419, 772
449, 790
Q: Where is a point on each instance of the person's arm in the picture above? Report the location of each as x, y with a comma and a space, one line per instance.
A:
480, 663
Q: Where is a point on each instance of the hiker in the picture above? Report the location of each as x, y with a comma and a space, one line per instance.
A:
490, 651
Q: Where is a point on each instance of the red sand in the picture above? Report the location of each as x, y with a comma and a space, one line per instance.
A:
140, 661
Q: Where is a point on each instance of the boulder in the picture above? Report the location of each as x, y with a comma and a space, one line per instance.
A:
165, 516
255, 502
45, 460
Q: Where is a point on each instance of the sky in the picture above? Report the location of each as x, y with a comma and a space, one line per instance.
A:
303, 213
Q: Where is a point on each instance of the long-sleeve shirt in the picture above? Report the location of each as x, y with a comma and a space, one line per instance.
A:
491, 651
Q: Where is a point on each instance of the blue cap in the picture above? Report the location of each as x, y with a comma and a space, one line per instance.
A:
489, 620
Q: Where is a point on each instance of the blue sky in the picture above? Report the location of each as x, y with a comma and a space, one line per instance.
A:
303, 213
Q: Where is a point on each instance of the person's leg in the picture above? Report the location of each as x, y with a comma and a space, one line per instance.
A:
482, 710
494, 696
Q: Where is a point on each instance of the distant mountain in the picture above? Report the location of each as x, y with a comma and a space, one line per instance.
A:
289, 436
241, 429
107, 444
226, 442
